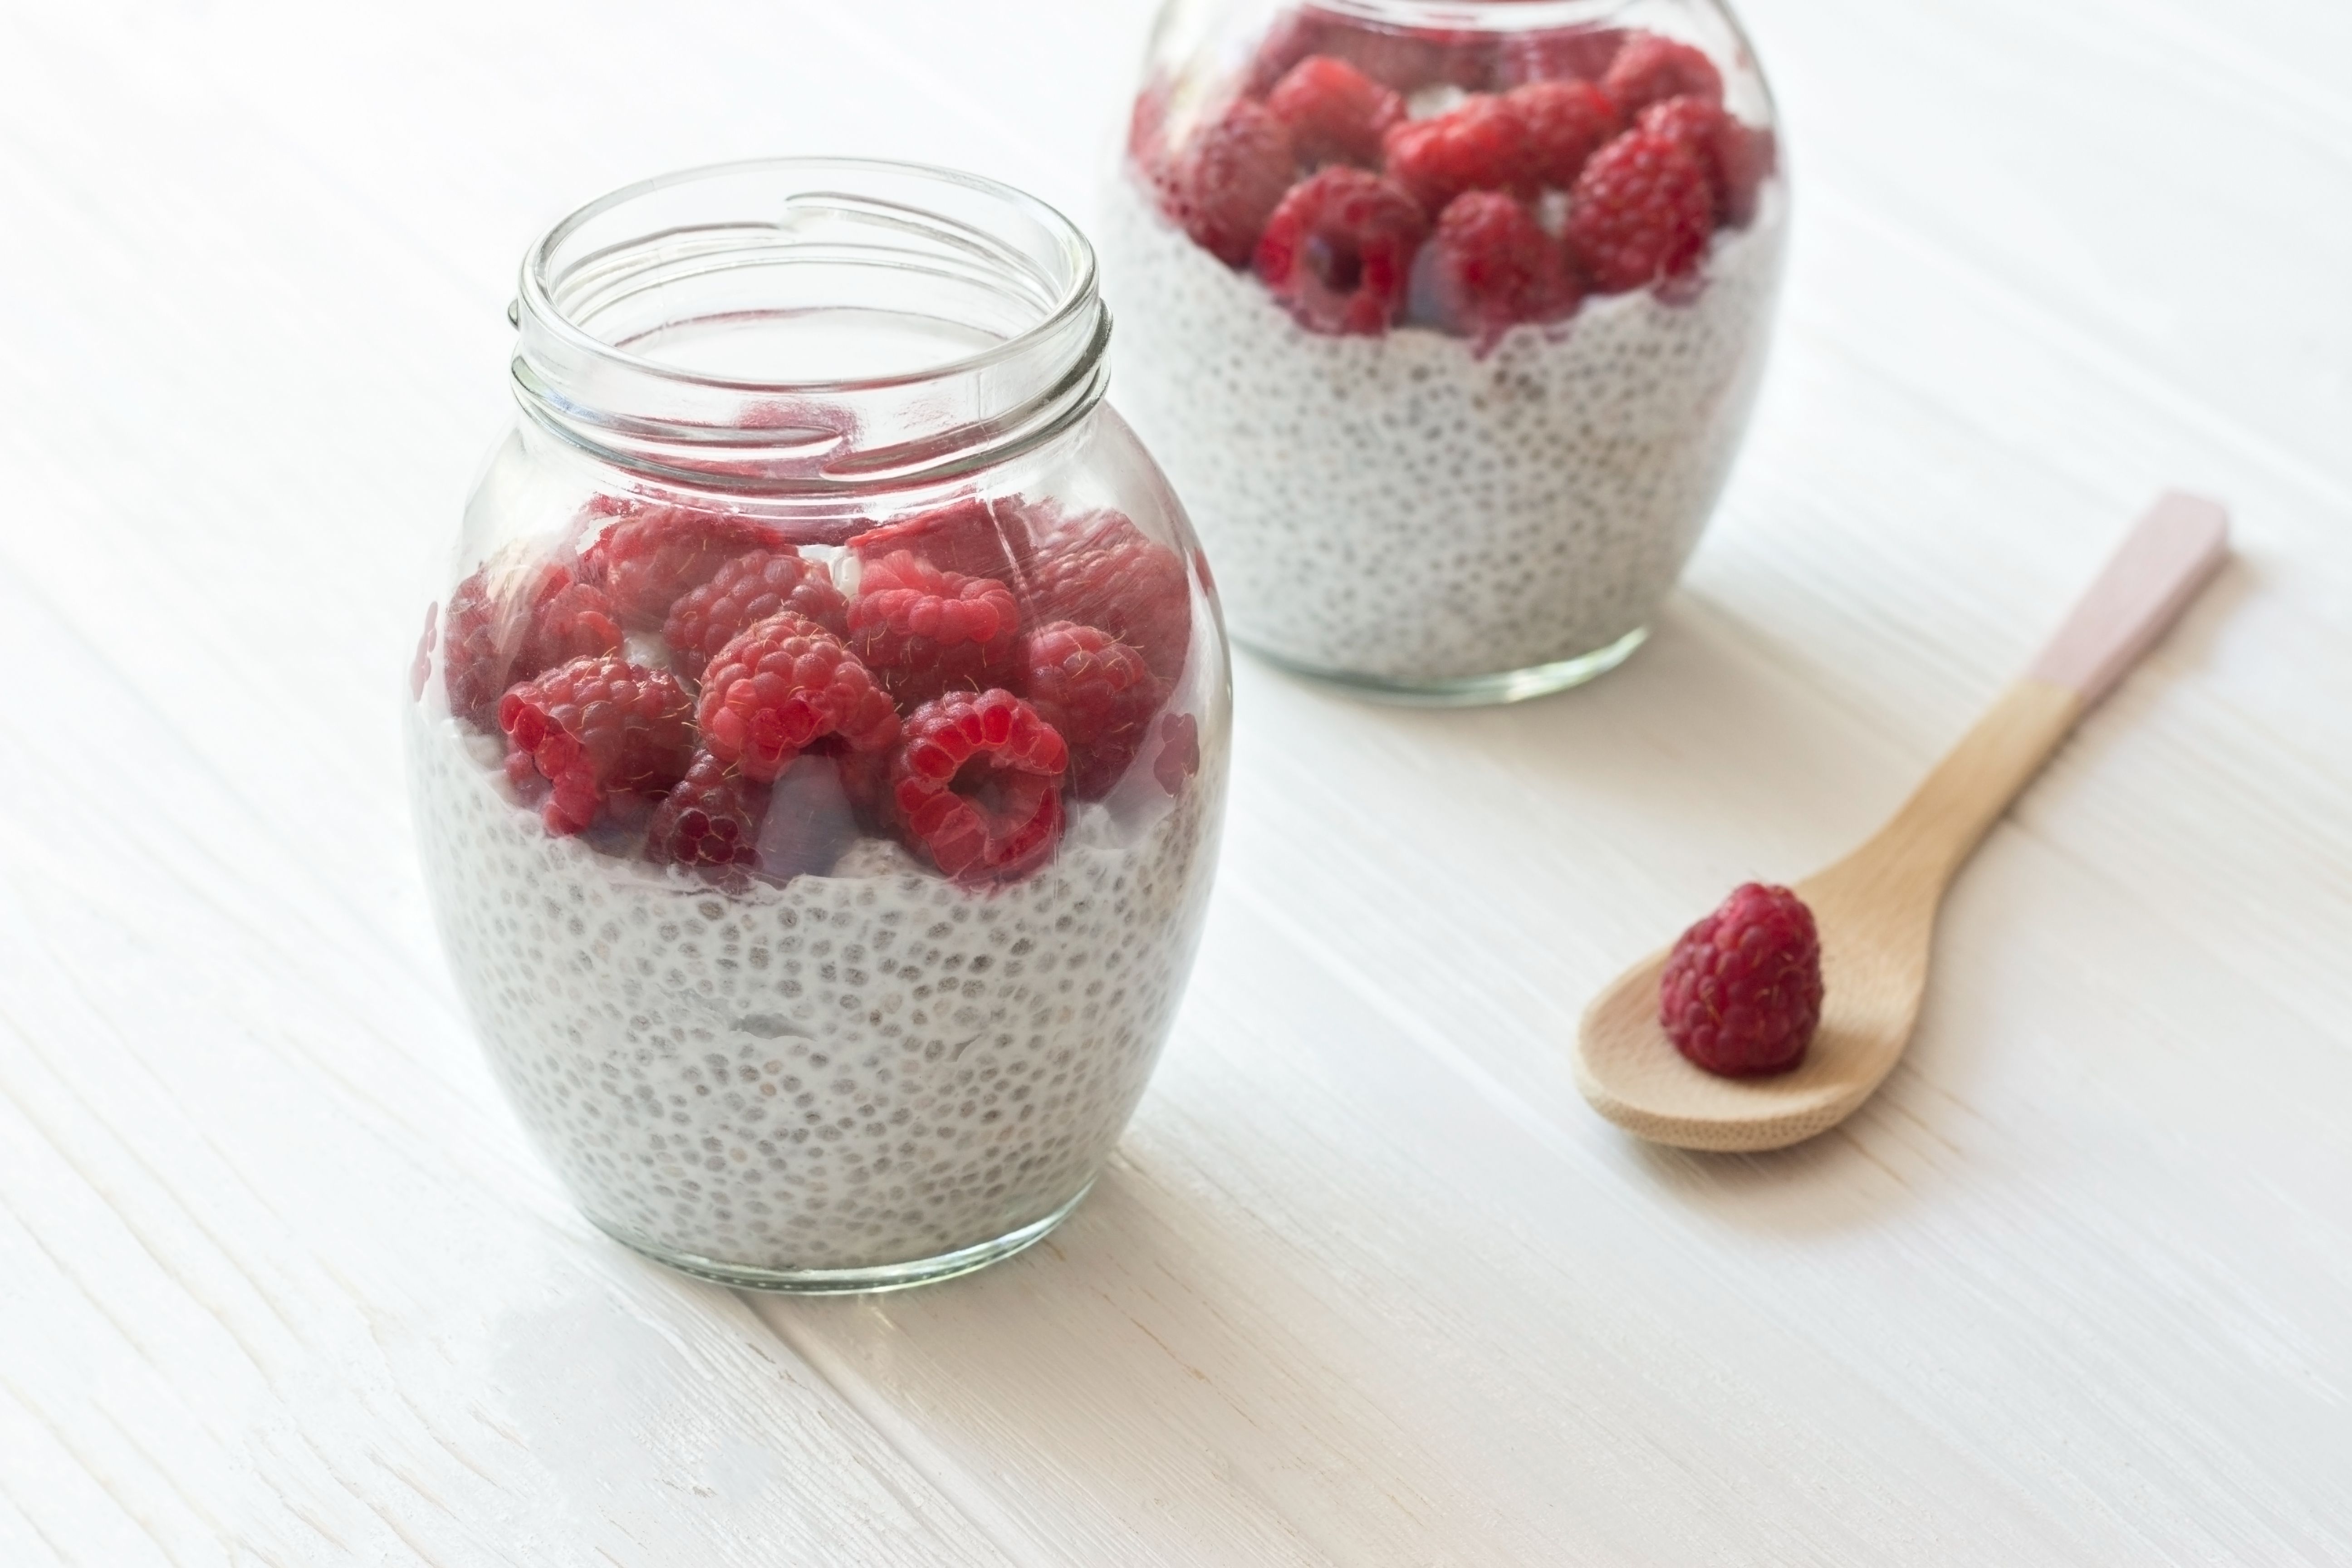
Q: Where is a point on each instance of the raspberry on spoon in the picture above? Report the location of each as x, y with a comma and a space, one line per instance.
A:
1741, 995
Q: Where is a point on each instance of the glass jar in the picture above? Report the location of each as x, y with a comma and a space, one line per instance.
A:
1445, 319
819, 733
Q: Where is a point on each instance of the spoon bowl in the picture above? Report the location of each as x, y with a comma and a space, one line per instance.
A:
1875, 910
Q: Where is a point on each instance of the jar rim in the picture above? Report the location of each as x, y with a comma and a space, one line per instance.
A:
1081, 291
1474, 16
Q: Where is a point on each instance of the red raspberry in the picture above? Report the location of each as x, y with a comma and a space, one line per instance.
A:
1179, 752
968, 536
1230, 178
1742, 991
473, 666
491, 641
1650, 70
1336, 113
1558, 54
1097, 693
976, 784
1338, 252
568, 620
1406, 59
1641, 212
710, 817
1098, 569
655, 552
750, 588
1479, 144
785, 683
597, 728
1565, 122
1491, 265
1736, 157
922, 630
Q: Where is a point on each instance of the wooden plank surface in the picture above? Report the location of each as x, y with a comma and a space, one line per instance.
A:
281, 1283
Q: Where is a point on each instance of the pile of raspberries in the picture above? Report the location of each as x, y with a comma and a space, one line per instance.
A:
1584, 160
987, 659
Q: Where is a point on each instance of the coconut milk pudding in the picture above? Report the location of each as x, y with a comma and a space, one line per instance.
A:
1448, 347
822, 910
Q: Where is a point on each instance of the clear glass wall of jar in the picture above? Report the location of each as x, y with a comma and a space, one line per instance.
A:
818, 734
1446, 317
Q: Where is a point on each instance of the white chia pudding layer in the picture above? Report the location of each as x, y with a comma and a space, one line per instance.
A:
853, 1070
1408, 508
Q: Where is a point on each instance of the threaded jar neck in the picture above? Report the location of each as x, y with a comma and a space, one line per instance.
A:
810, 327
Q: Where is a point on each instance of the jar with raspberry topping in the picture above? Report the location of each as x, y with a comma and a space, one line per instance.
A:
1445, 319
818, 734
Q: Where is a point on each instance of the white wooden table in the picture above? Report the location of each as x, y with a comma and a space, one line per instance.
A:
281, 1283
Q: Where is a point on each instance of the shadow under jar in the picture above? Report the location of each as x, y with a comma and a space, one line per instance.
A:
818, 736
1446, 319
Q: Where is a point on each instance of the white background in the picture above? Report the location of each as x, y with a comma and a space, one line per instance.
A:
280, 1282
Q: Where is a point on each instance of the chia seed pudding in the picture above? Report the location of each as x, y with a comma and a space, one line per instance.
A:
847, 1070
1449, 355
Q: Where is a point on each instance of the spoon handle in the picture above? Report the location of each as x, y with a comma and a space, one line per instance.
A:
2151, 578
2148, 583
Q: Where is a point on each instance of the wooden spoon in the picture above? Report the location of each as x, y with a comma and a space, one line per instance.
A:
1876, 908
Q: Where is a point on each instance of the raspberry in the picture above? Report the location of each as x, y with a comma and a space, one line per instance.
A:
568, 620
472, 666
750, 588
1406, 59
1479, 144
1558, 54
1336, 113
1338, 252
1641, 212
1491, 265
1098, 569
1229, 180
1567, 123
923, 630
1650, 70
976, 784
1735, 156
1742, 990
493, 641
597, 728
655, 552
783, 684
966, 536
1179, 752
1097, 693
710, 817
